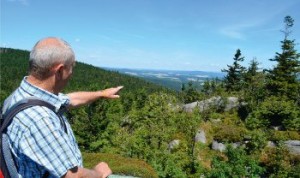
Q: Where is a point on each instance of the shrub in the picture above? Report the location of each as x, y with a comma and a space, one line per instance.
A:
279, 162
295, 172
229, 133
258, 140
292, 124
275, 111
276, 135
236, 164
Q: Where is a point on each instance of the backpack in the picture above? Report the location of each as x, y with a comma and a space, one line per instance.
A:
8, 166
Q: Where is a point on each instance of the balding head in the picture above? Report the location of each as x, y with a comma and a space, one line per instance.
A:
47, 53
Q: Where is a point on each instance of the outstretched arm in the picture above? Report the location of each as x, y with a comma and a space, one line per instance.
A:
85, 97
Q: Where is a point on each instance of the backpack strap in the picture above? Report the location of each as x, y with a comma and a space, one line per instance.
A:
10, 164
22, 105
7, 118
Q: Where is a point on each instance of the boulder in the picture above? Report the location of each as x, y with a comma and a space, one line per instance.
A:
293, 146
200, 136
213, 102
218, 146
271, 144
190, 106
173, 144
236, 144
232, 102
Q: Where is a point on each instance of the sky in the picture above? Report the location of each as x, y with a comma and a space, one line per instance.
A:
200, 35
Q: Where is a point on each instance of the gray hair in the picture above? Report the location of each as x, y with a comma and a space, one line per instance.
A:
44, 56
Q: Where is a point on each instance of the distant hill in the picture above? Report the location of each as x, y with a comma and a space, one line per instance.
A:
14, 66
171, 78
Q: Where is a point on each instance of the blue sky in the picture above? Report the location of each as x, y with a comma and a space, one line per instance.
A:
154, 34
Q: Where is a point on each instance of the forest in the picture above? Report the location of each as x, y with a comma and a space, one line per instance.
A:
148, 133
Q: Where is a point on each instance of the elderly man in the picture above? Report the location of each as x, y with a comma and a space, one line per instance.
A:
43, 144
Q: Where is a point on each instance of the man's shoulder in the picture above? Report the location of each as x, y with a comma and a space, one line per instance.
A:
32, 116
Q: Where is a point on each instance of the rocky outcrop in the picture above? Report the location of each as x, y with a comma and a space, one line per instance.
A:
213, 102
190, 106
292, 145
232, 102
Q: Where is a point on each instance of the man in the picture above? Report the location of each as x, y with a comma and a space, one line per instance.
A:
42, 143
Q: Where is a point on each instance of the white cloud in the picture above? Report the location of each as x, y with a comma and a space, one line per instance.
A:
238, 30
77, 40
232, 33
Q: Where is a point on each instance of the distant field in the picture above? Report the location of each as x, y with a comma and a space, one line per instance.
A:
171, 78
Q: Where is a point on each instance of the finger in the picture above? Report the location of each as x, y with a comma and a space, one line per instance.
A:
116, 96
119, 87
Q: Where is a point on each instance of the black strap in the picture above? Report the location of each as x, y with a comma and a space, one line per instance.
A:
21, 105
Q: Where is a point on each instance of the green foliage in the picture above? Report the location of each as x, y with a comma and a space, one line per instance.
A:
257, 141
295, 172
190, 93
275, 111
13, 67
276, 135
229, 133
254, 86
236, 164
213, 87
120, 165
279, 162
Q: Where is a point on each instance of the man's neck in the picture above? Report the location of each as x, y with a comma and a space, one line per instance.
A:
45, 84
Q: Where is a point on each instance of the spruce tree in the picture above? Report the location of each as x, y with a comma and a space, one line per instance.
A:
282, 79
234, 78
253, 68
254, 90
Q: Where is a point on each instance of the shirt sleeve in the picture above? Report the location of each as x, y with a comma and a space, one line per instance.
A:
65, 100
48, 145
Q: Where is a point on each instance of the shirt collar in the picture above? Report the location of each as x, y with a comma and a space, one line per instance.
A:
59, 101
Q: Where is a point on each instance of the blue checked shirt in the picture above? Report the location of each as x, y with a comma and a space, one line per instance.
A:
37, 137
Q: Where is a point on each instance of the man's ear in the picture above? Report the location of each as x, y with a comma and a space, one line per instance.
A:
58, 69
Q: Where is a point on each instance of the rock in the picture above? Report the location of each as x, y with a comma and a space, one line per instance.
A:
293, 146
216, 102
218, 146
271, 144
189, 107
232, 102
279, 127
214, 121
173, 144
237, 144
200, 136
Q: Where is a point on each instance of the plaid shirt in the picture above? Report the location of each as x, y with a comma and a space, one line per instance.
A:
37, 138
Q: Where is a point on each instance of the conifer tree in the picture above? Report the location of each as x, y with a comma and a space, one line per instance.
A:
282, 79
254, 84
234, 78
190, 93
253, 68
